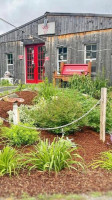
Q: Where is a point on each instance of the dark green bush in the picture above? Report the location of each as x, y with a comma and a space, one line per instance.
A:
60, 110
17, 135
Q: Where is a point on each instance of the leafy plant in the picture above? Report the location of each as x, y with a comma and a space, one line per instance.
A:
105, 161
60, 110
17, 135
87, 85
55, 156
32, 87
9, 161
1, 121
5, 83
46, 90
24, 112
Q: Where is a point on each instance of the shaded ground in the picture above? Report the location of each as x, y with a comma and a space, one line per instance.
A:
66, 181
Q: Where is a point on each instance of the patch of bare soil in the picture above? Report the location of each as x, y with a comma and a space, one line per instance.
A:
67, 181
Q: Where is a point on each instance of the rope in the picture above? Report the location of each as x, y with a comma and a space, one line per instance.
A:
58, 127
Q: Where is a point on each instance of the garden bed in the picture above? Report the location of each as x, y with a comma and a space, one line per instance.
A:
67, 181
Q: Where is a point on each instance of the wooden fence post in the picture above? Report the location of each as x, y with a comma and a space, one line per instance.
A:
103, 113
15, 114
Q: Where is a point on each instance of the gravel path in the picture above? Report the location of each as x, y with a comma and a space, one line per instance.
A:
7, 88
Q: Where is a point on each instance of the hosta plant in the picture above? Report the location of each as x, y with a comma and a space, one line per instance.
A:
18, 135
61, 153
9, 161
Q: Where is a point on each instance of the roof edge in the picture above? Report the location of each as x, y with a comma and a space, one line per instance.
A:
57, 14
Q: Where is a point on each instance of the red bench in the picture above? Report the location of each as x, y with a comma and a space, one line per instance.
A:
68, 70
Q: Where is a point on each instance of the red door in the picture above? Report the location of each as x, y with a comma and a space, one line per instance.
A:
35, 58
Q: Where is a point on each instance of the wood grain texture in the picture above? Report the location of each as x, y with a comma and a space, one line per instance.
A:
71, 30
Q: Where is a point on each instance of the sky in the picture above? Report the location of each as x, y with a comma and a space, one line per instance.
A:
19, 12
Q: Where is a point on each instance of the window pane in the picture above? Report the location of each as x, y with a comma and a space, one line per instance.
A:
88, 47
94, 47
60, 50
88, 55
65, 57
93, 54
11, 61
62, 56
64, 50
10, 58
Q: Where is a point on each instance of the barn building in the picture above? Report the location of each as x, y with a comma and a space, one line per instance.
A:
38, 47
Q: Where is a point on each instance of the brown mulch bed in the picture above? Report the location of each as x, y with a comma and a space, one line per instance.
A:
66, 181
6, 106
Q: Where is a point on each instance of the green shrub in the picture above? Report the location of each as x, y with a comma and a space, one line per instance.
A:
60, 110
93, 118
17, 135
63, 108
9, 161
46, 90
105, 161
88, 86
5, 83
54, 157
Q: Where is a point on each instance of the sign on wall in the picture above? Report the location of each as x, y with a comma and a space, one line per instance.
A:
46, 28
20, 57
47, 58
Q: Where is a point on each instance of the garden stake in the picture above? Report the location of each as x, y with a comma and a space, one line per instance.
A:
15, 113
103, 113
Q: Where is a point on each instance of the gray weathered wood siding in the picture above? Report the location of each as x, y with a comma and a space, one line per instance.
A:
65, 24
72, 31
75, 44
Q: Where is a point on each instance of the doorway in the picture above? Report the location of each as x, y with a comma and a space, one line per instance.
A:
35, 58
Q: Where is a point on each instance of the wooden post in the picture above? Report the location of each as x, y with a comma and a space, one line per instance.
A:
103, 113
61, 67
54, 78
15, 114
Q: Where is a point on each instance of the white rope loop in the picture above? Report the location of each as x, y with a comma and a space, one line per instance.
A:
58, 127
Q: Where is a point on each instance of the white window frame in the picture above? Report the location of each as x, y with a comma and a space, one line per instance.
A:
58, 61
89, 59
8, 64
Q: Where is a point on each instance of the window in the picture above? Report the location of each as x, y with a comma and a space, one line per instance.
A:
62, 57
10, 63
90, 55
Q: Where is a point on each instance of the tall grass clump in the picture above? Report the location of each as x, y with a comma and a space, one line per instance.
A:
9, 161
56, 156
105, 161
